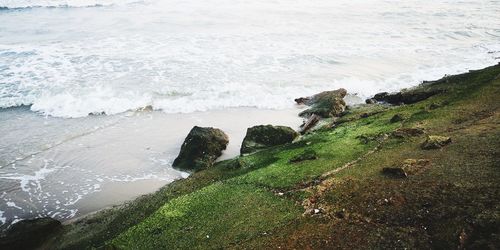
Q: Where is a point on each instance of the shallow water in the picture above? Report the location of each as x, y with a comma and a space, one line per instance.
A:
65, 59
70, 167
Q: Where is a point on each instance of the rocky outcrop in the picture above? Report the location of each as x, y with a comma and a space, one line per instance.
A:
407, 96
201, 148
264, 136
29, 234
435, 142
325, 104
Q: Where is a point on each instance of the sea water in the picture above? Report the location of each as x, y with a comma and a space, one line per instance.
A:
61, 60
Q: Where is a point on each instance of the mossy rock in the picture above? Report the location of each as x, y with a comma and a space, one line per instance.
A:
265, 136
29, 234
435, 142
325, 104
409, 96
201, 148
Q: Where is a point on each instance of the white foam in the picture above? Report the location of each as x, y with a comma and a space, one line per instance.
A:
14, 4
29, 182
12, 204
2, 218
186, 56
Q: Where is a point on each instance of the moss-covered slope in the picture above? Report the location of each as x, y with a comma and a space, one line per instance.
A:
339, 198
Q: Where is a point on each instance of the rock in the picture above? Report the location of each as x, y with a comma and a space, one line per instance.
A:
370, 101
407, 96
302, 100
380, 96
325, 104
97, 113
397, 118
435, 142
201, 148
313, 120
264, 136
308, 154
407, 132
29, 234
395, 172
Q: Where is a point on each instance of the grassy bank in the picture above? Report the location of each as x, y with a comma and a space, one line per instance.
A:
341, 198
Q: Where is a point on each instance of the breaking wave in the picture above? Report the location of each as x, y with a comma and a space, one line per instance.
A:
185, 56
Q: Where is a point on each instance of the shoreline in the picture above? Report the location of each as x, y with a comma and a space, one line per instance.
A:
365, 137
119, 157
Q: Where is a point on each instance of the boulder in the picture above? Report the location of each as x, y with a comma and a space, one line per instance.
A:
29, 234
435, 142
201, 148
370, 101
264, 136
407, 96
325, 104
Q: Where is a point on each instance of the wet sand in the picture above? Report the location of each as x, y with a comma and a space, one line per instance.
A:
66, 168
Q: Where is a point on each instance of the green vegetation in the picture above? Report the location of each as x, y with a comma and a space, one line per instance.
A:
340, 199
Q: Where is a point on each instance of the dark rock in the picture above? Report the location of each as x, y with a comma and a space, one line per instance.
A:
435, 142
394, 172
302, 100
397, 118
201, 148
97, 113
325, 104
313, 120
29, 234
407, 132
264, 136
370, 101
380, 96
407, 96
308, 154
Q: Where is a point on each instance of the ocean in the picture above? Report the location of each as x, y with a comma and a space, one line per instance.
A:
73, 74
